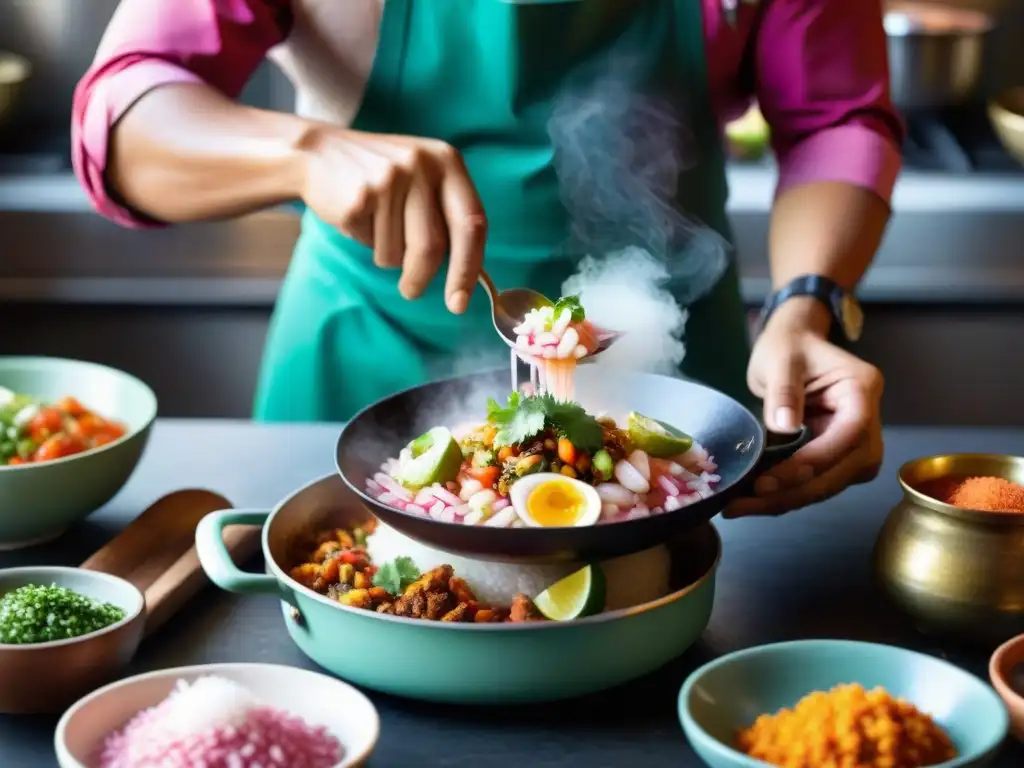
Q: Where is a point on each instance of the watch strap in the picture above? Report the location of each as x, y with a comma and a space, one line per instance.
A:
827, 291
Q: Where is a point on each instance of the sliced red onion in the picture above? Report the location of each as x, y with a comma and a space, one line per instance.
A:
392, 487
461, 510
416, 509
630, 477
642, 462
711, 478
657, 511
473, 518
445, 495
668, 486
374, 487
436, 509
500, 504
675, 469
424, 498
501, 519
638, 512
616, 494
672, 503
447, 516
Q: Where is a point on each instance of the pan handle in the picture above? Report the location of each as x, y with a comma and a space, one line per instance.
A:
216, 560
779, 446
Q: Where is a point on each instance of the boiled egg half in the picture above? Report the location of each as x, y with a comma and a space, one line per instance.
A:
549, 500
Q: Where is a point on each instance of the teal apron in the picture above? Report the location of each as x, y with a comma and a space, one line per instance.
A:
484, 76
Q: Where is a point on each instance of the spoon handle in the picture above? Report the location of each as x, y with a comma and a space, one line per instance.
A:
492, 292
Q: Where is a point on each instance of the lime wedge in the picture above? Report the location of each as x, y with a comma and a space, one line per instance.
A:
577, 595
654, 438
434, 457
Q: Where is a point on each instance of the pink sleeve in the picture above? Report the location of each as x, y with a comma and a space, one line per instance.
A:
158, 42
822, 83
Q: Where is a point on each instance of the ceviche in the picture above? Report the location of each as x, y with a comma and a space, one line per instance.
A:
552, 340
32, 431
540, 462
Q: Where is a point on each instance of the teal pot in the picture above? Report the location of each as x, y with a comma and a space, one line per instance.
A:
729, 693
38, 502
460, 663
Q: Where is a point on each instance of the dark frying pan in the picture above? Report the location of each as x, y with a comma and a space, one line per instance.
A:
725, 428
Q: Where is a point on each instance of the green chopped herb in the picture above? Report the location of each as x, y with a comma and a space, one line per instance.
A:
39, 614
573, 304
396, 575
526, 417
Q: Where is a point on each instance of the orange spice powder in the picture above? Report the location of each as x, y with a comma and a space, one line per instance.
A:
986, 494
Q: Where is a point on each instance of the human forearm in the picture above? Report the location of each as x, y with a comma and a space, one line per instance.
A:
185, 152
825, 228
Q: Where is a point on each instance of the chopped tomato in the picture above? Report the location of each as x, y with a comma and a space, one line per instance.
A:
486, 476
104, 436
48, 421
57, 447
15, 460
70, 406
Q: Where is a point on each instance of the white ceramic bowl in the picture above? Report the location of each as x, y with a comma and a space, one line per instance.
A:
351, 717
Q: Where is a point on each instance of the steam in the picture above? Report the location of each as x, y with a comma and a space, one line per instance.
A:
620, 152
625, 291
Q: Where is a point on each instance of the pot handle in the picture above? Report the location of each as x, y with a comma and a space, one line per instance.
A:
216, 560
779, 446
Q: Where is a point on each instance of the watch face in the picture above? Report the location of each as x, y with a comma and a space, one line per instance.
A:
852, 317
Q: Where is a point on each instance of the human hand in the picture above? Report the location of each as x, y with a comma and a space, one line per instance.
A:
408, 198
803, 378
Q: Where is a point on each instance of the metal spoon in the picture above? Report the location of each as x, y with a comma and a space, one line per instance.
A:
508, 308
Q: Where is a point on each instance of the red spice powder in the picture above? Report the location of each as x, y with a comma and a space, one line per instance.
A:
986, 494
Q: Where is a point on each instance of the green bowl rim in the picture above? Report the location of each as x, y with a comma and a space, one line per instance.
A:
287, 582
129, 617
739, 759
92, 451
59, 732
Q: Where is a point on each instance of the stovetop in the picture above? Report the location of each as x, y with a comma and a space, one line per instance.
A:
955, 143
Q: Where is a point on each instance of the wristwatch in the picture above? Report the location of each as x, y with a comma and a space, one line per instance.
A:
847, 315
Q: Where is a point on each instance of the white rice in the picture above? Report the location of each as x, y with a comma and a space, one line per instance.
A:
631, 579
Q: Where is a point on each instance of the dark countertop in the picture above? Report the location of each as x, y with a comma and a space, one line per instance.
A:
804, 575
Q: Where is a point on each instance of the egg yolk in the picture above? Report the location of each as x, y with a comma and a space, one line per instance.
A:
554, 504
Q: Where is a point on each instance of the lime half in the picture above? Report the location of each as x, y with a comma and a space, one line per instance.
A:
434, 457
577, 595
654, 438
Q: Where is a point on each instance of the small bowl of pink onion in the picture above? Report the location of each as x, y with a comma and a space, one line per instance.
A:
220, 715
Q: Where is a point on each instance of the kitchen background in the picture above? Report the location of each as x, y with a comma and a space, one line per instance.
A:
187, 308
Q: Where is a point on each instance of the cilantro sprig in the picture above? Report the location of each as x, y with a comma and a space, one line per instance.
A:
525, 417
574, 305
396, 575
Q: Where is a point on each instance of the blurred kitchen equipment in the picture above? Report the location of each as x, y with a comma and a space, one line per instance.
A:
60, 38
1006, 112
14, 72
935, 53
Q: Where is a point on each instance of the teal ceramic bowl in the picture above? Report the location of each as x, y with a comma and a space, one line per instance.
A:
729, 693
450, 662
38, 502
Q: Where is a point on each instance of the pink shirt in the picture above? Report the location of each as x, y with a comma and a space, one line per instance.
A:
819, 75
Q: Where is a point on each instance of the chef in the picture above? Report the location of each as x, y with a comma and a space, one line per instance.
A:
423, 148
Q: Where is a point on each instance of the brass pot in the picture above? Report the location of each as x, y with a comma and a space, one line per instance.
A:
957, 572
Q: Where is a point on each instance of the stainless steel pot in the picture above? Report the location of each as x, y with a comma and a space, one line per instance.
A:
935, 53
